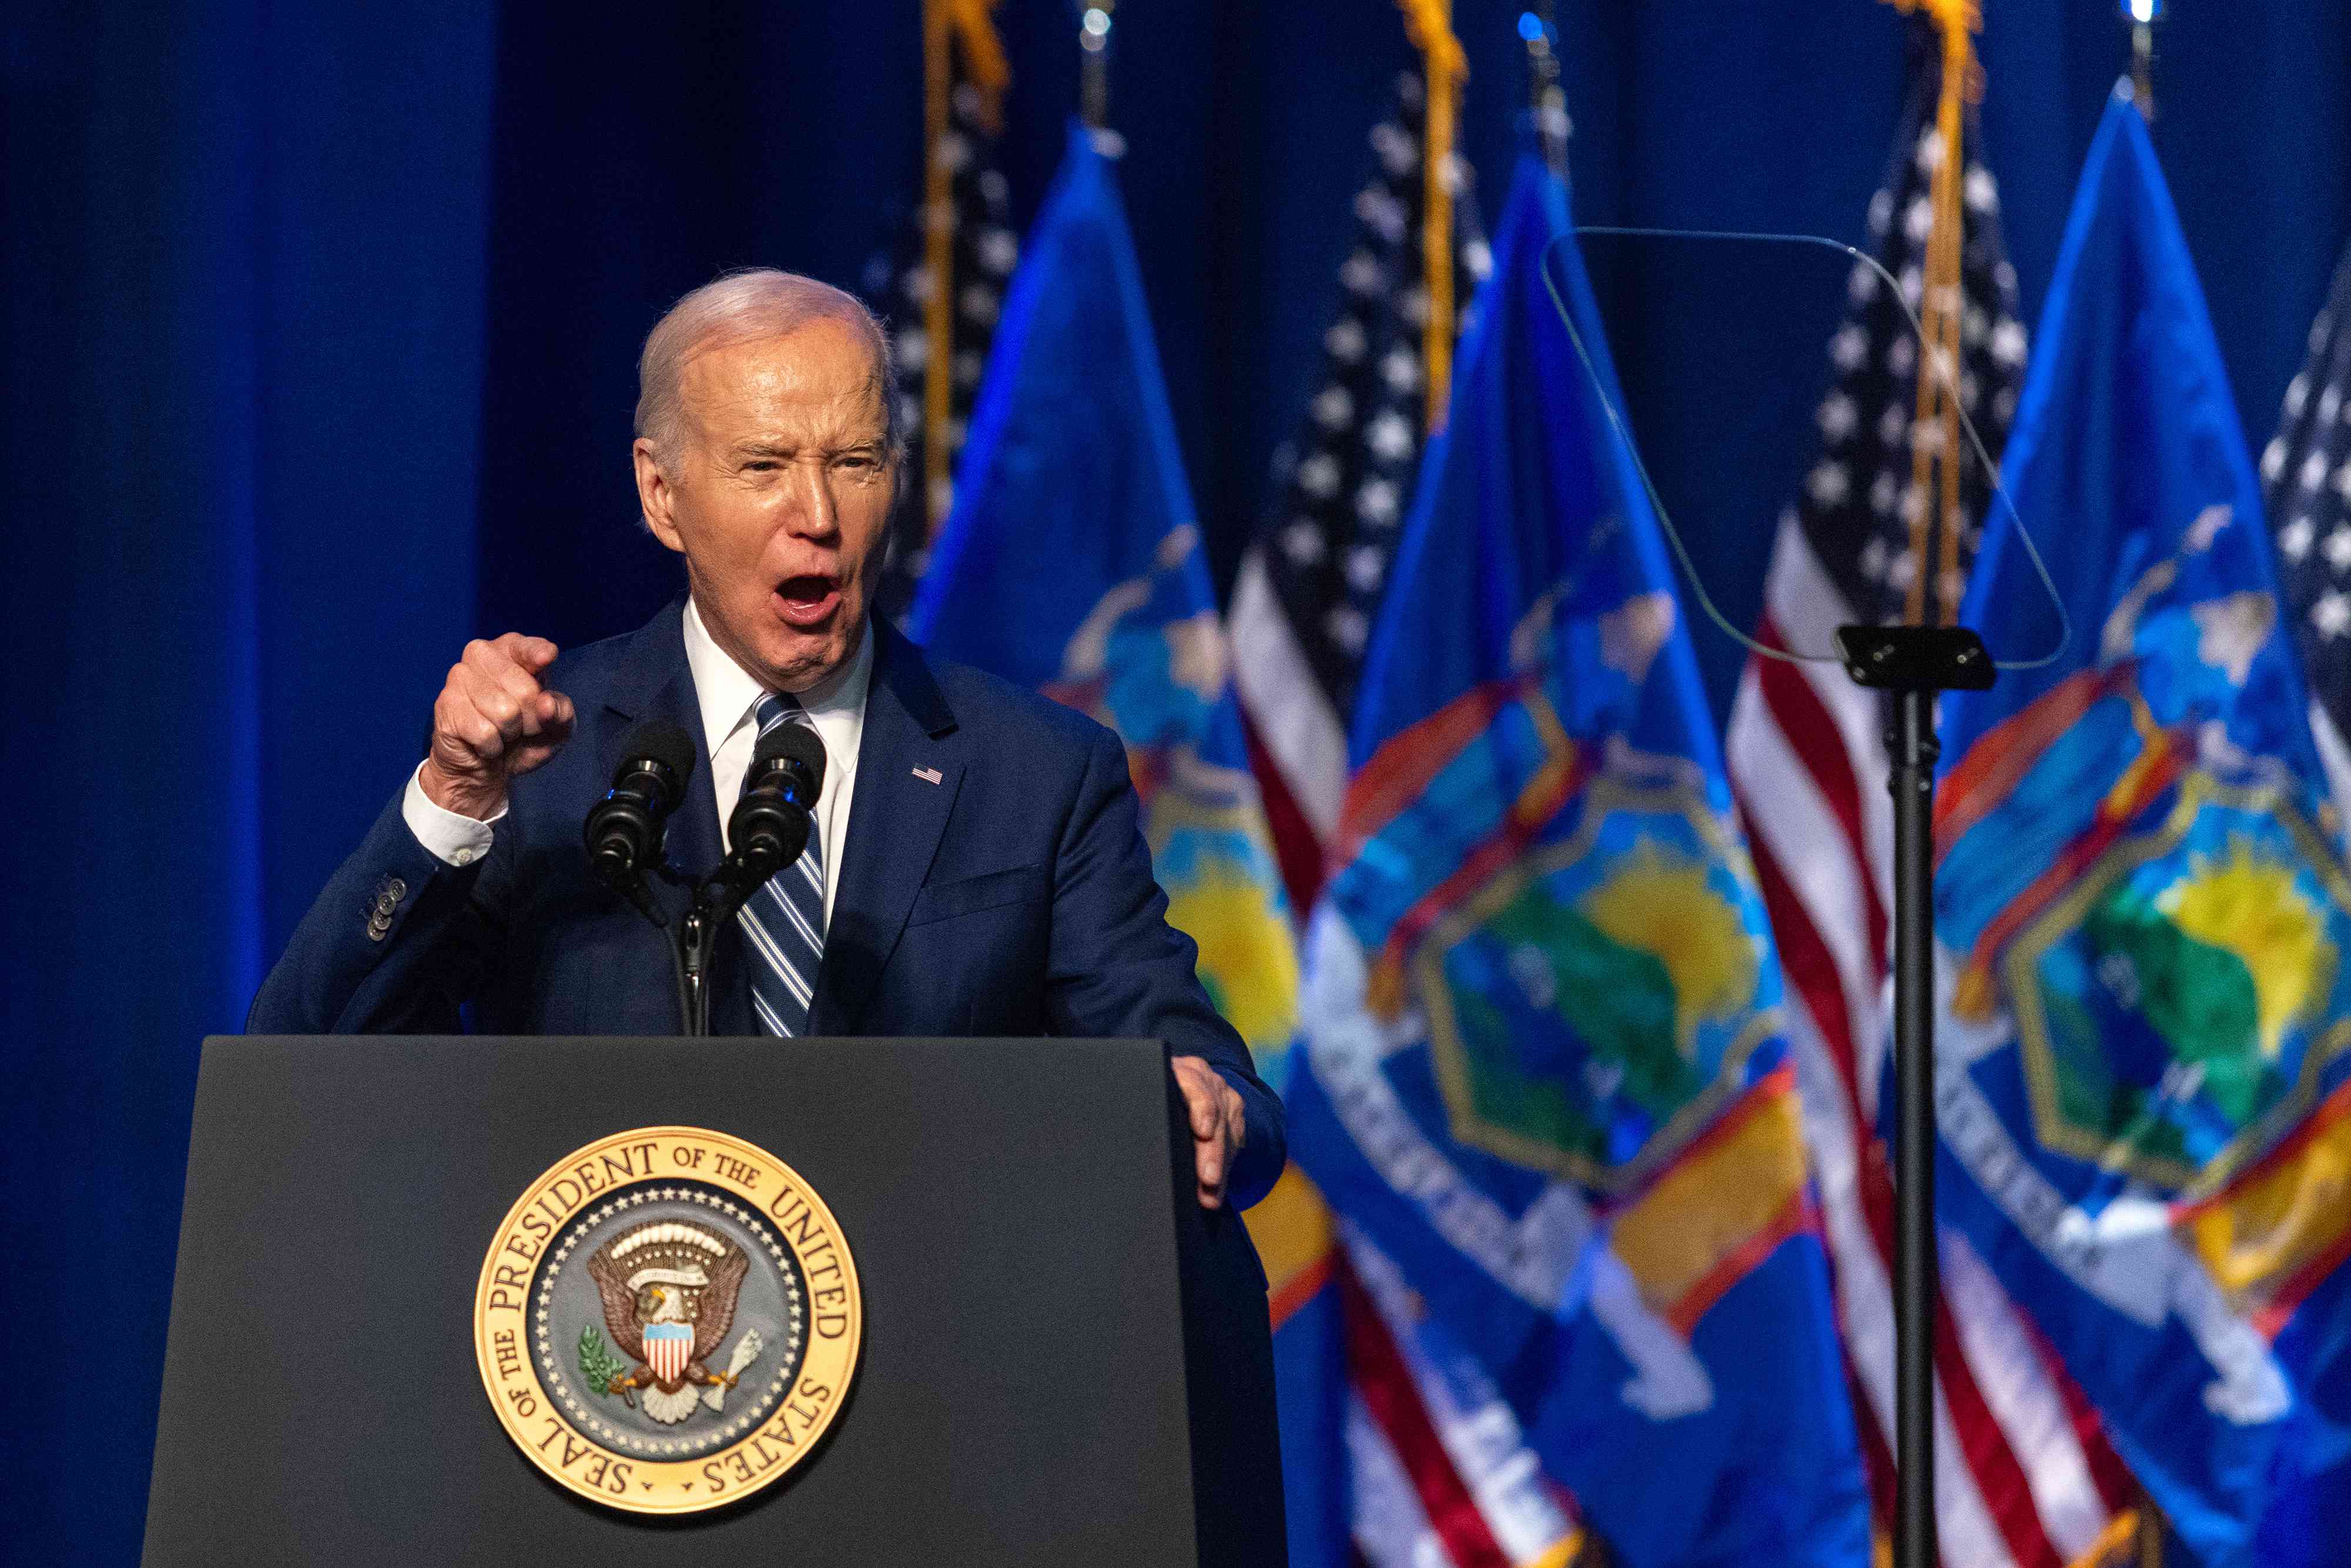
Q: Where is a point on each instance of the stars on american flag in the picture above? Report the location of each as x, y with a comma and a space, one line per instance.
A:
1858, 501
899, 284
2330, 614
2306, 490
1345, 480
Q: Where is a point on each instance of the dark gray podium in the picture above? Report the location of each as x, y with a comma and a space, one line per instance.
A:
1064, 1359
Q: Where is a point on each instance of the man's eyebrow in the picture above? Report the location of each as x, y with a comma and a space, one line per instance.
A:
747, 450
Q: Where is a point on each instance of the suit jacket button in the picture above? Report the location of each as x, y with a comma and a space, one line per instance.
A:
395, 889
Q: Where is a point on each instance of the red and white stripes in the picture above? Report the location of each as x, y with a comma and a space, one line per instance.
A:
1304, 736
1436, 1477
2024, 1476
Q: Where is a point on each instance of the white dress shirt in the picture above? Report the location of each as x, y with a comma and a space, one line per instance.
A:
728, 697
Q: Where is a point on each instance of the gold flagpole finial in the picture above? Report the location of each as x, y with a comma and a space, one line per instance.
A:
1429, 24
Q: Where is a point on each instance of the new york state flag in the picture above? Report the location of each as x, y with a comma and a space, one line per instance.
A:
1545, 1074
2144, 1073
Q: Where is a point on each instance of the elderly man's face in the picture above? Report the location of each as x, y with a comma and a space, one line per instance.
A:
777, 497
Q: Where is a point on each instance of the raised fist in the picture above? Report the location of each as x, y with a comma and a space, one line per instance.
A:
493, 723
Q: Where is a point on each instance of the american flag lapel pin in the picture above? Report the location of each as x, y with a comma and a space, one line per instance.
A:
928, 774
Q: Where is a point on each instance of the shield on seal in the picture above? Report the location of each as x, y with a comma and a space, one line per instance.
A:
668, 1347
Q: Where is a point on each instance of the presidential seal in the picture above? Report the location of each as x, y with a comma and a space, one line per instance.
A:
668, 1320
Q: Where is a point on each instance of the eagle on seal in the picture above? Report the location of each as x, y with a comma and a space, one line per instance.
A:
668, 1290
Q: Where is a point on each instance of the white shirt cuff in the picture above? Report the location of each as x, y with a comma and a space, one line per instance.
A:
454, 840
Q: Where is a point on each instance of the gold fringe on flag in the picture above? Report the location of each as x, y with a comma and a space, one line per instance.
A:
1936, 525
2123, 1544
1564, 1553
948, 24
1444, 68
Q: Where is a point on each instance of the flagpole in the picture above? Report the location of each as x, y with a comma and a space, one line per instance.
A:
1546, 97
938, 263
952, 30
1093, 84
2142, 15
1443, 66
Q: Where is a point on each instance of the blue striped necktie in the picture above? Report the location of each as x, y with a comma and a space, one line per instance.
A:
783, 923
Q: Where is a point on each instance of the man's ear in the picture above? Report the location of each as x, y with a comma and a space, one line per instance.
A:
655, 498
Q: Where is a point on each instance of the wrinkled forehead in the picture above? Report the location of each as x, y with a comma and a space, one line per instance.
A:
820, 381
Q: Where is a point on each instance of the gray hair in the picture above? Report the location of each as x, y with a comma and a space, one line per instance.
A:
746, 306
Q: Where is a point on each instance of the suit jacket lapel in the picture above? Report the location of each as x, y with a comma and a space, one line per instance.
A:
895, 822
654, 681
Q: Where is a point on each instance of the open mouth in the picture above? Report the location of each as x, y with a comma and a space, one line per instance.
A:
808, 601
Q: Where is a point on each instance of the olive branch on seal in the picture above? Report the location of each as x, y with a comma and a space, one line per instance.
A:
598, 1365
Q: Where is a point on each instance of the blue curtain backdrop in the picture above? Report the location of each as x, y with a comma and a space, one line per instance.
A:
319, 332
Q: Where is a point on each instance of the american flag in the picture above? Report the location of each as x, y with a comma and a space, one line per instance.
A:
1437, 1472
2306, 490
982, 248
2024, 1474
1311, 582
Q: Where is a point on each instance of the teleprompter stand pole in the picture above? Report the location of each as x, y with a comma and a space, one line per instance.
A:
1912, 664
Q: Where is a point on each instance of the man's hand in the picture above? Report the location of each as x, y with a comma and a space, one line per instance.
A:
492, 723
1215, 1110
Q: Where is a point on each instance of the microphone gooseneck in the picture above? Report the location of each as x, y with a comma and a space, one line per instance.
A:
768, 829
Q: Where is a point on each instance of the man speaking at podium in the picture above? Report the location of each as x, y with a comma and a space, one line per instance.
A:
975, 865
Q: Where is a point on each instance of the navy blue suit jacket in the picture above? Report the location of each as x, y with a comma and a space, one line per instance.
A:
1014, 896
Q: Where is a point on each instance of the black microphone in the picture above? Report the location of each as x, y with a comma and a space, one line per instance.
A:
625, 828
771, 823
